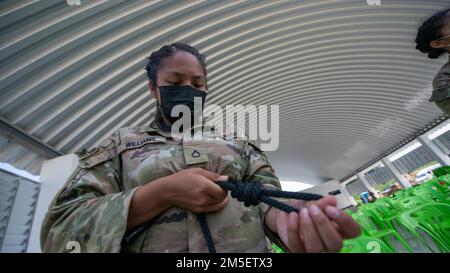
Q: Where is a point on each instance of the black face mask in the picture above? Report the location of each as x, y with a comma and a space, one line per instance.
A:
172, 95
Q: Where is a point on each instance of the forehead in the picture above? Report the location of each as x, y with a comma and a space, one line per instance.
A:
182, 63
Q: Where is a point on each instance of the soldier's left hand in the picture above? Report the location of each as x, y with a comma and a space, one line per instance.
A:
319, 227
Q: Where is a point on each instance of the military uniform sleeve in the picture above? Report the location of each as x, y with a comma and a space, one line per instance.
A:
89, 214
442, 79
259, 169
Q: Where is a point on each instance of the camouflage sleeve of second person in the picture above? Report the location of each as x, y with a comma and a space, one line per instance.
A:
259, 169
91, 209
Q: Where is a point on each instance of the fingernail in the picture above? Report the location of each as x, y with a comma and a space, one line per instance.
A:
314, 209
223, 178
304, 214
332, 212
292, 218
284, 238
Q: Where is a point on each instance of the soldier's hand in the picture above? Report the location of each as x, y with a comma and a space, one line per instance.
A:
195, 190
319, 227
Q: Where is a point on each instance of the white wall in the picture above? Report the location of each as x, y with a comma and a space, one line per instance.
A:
54, 173
324, 189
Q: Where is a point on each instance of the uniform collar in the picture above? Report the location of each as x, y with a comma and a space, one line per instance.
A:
155, 127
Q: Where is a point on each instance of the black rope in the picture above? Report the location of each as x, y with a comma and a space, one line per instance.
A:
201, 217
251, 193
133, 234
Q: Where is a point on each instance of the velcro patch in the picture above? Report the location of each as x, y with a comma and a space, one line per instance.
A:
97, 158
131, 143
196, 155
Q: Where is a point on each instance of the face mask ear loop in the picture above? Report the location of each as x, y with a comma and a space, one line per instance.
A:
158, 104
442, 38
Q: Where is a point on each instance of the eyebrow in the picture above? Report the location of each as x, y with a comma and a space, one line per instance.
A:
178, 74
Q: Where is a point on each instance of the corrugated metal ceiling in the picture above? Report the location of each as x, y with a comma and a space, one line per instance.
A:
346, 75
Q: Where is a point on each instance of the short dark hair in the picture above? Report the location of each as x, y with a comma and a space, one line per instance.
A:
158, 56
430, 31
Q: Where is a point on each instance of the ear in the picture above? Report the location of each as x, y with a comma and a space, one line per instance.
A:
152, 89
437, 44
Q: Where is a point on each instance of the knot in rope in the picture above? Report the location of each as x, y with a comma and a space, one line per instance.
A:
247, 192
252, 193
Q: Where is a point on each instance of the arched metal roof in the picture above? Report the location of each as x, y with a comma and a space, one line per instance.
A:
346, 75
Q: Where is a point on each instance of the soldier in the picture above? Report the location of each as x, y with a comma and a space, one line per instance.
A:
433, 38
143, 173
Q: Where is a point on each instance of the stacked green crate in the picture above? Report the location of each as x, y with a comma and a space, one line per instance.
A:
419, 215
414, 220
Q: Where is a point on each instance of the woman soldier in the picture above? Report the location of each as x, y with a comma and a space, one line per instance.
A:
145, 173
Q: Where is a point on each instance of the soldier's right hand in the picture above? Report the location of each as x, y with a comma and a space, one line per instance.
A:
195, 190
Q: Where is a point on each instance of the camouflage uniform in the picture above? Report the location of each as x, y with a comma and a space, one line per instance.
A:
441, 87
92, 207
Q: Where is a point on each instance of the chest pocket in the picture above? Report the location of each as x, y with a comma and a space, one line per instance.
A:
196, 154
147, 159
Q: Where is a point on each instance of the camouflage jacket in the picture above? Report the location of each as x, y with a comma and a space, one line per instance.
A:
442, 78
92, 207
441, 84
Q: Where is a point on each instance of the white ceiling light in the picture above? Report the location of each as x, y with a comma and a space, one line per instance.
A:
294, 186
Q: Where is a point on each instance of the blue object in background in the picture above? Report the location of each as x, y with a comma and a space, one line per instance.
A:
364, 197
